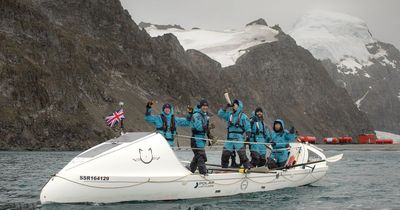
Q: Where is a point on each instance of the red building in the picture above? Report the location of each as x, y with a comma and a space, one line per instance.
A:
367, 139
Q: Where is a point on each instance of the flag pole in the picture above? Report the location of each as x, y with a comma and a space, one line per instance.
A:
121, 104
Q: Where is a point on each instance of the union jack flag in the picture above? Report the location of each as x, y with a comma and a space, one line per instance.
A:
113, 119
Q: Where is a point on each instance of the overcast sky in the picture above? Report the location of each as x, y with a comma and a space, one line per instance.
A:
382, 16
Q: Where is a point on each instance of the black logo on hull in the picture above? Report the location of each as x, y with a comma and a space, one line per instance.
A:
146, 156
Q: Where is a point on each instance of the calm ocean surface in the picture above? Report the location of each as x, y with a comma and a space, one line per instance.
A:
366, 178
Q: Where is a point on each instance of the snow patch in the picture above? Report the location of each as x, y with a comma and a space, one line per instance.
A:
399, 95
358, 102
367, 75
386, 61
387, 135
223, 46
370, 46
349, 63
381, 55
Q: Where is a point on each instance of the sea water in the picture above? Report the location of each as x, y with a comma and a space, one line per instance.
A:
366, 178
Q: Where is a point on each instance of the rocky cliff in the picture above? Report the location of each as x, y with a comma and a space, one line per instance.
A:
65, 65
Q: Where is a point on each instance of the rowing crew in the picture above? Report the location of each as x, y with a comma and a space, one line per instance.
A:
239, 130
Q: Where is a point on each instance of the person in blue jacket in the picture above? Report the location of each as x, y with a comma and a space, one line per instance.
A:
200, 128
260, 134
238, 127
166, 122
280, 139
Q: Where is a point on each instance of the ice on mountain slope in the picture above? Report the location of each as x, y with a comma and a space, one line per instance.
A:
358, 102
381, 55
399, 95
341, 38
225, 46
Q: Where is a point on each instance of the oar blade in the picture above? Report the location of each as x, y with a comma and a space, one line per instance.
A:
334, 158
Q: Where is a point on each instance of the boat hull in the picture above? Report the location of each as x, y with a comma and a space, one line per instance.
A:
61, 189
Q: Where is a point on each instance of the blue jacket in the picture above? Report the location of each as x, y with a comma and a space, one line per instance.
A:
259, 133
281, 138
199, 127
157, 121
237, 124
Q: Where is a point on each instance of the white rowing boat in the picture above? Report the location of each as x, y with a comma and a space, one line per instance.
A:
142, 167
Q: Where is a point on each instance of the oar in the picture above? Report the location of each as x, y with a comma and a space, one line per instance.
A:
329, 160
260, 170
335, 158
242, 170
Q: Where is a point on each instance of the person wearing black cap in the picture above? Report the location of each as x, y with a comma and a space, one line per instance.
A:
238, 127
166, 122
200, 128
260, 134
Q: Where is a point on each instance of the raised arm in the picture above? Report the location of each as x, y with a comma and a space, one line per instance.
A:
150, 118
182, 121
290, 135
223, 114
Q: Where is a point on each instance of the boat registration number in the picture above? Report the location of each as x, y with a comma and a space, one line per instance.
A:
94, 178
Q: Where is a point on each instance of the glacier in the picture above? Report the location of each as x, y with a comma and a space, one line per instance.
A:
343, 39
223, 46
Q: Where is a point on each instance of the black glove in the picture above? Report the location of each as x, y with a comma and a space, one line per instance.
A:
292, 130
149, 104
227, 106
189, 109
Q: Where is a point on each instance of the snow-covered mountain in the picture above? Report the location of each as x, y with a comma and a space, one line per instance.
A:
367, 68
343, 39
223, 46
